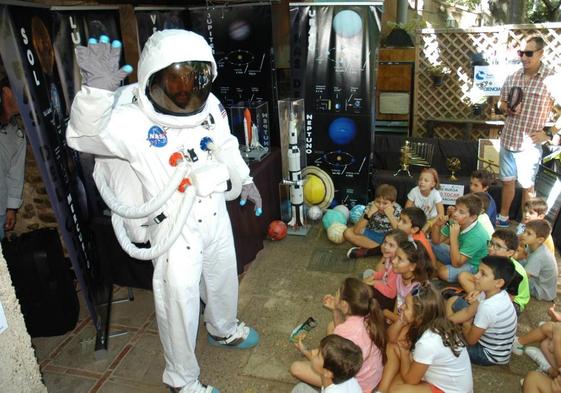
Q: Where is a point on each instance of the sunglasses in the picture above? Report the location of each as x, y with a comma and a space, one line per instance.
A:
527, 53
419, 289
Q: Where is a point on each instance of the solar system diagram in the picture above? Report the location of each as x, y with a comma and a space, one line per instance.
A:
340, 61
241, 38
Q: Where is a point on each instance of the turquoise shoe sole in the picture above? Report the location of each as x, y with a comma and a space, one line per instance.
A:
251, 341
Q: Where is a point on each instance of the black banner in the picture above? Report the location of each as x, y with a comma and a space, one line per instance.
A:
37, 46
333, 50
242, 41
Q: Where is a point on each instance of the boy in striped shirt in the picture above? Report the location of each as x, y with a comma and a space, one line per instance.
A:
491, 332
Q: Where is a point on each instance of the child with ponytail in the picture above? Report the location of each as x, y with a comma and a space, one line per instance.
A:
358, 318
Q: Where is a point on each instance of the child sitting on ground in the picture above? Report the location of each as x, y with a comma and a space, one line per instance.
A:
548, 358
413, 269
459, 244
384, 280
504, 243
480, 182
491, 332
427, 197
548, 335
483, 218
440, 361
336, 361
541, 266
357, 317
412, 266
380, 217
411, 221
534, 209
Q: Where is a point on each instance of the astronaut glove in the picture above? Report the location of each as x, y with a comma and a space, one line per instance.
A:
249, 191
99, 63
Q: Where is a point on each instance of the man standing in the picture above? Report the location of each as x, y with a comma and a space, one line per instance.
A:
12, 159
523, 133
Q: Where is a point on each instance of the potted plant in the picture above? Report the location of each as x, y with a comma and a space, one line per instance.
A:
478, 101
437, 73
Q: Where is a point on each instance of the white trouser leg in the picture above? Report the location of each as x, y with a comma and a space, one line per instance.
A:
176, 296
220, 275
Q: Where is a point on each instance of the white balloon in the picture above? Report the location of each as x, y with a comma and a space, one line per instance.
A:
314, 213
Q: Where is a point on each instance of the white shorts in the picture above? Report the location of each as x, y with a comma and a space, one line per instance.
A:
520, 165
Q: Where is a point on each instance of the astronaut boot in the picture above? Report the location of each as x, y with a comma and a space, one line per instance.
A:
197, 387
243, 338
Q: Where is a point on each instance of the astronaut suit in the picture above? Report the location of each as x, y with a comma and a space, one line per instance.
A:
150, 134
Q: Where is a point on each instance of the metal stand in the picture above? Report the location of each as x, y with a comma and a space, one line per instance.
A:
101, 340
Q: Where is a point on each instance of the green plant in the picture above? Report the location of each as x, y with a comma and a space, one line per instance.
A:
438, 70
410, 26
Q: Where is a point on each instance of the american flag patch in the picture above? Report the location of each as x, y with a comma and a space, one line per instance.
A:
222, 110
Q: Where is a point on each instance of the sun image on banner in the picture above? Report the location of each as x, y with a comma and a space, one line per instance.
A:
150, 21
39, 47
242, 40
333, 50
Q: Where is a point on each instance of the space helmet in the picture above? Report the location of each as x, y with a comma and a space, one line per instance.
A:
180, 89
175, 73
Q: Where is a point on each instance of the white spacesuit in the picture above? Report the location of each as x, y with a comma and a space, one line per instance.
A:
147, 133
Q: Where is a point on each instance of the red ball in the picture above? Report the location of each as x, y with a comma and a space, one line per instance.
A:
277, 230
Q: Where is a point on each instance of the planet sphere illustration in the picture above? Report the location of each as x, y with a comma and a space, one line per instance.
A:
239, 30
342, 130
347, 24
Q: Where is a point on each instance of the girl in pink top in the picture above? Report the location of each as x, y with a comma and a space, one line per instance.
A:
384, 280
358, 318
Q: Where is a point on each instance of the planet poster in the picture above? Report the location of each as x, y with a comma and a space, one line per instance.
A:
150, 21
242, 41
333, 49
36, 69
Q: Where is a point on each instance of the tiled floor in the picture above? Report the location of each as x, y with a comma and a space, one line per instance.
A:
133, 362
282, 287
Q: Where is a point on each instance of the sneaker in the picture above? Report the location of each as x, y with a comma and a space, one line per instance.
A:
537, 356
244, 338
517, 348
361, 252
197, 388
502, 222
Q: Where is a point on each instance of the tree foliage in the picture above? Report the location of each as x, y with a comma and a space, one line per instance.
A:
519, 11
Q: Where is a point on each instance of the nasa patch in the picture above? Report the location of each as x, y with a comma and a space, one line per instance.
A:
157, 137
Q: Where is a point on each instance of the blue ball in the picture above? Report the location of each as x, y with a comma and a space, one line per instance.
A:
347, 24
342, 130
356, 213
331, 217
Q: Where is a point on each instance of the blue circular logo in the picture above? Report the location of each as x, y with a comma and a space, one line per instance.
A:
157, 137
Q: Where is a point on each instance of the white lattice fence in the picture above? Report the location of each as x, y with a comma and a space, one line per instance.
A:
453, 48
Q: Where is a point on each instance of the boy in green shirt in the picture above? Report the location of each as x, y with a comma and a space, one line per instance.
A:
461, 243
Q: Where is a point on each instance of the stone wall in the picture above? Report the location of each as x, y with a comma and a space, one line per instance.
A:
36, 211
19, 372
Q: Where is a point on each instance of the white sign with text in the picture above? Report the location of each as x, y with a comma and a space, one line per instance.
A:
451, 192
490, 78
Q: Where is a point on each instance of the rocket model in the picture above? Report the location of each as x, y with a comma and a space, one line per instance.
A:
247, 128
255, 134
295, 175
